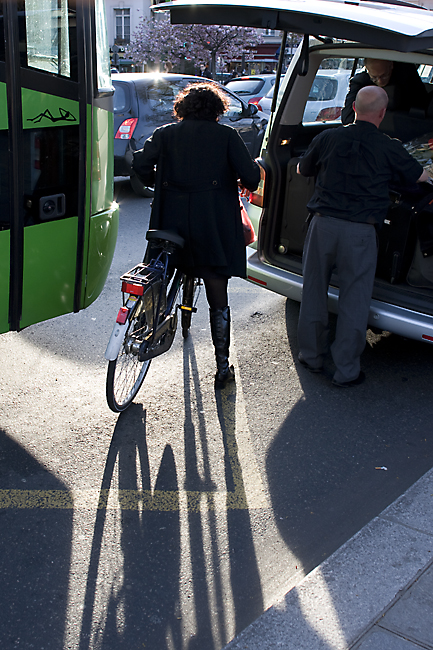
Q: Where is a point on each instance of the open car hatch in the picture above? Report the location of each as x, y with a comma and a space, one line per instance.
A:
395, 26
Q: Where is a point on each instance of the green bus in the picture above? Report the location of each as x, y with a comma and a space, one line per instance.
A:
58, 222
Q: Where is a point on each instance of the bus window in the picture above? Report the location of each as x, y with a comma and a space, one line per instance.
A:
102, 49
50, 37
2, 34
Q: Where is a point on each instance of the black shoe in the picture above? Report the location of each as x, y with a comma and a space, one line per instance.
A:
307, 365
348, 384
221, 379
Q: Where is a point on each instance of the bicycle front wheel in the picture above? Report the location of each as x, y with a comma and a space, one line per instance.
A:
126, 374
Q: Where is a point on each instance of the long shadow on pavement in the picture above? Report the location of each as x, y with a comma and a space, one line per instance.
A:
35, 551
184, 572
342, 455
142, 601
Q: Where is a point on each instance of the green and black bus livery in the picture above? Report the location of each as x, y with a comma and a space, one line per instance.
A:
58, 222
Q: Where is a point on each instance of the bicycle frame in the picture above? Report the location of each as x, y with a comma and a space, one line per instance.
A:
140, 282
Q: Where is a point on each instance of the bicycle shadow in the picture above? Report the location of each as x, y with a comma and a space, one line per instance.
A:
144, 591
184, 573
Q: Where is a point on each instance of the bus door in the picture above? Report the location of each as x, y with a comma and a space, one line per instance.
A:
44, 160
4, 189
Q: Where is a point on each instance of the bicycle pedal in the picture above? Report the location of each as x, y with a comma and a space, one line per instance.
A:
191, 309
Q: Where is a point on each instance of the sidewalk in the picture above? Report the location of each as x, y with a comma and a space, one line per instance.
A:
373, 593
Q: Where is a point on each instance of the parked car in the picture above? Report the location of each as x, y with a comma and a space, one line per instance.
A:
144, 101
253, 88
347, 32
326, 97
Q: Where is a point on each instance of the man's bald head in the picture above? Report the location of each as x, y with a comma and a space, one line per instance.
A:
370, 104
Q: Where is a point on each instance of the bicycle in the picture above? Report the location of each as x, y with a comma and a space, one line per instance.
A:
146, 324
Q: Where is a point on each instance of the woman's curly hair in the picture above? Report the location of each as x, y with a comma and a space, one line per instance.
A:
205, 101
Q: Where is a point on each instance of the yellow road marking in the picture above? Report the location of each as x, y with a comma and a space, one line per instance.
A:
146, 500
248, 492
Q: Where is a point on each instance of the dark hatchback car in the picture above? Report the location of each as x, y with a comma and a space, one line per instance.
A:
144, 101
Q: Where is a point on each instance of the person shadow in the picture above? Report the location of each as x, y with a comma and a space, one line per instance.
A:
244, 588
183, 571
35, 550
143, 591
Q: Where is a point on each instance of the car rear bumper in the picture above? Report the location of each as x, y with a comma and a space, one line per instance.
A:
383, 316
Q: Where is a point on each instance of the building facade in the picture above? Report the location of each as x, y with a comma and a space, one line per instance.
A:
123, 18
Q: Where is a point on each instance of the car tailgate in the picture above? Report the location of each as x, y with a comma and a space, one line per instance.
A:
394, 26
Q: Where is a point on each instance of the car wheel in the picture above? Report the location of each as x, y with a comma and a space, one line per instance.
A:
140, 189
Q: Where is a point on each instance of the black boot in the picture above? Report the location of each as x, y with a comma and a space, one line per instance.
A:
220, 329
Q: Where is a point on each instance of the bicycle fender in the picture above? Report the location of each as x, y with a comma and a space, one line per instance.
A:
116, 340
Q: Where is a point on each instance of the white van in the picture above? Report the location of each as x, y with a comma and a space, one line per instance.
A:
337, 35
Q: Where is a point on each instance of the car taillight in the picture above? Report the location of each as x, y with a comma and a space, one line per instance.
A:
255, 101
327, 114
126, 129
256, 198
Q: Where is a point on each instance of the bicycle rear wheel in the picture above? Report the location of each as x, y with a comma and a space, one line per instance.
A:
189, 288
126, 374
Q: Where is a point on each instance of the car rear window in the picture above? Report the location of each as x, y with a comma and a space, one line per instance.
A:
121, 99
245, 86
323, 89
157, 98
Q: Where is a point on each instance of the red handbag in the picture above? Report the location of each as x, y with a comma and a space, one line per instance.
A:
249, 234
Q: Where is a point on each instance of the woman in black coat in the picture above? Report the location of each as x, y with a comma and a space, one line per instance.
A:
199, 163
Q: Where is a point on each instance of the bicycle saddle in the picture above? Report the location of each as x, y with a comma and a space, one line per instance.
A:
166, 235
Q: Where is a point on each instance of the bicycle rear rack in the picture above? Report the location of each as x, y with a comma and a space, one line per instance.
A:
140, 277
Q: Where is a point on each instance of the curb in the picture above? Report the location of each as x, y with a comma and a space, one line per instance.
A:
340, 600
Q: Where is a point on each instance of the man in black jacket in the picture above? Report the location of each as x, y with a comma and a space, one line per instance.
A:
400, 81
353, 166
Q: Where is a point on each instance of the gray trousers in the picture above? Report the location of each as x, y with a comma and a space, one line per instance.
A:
350, 249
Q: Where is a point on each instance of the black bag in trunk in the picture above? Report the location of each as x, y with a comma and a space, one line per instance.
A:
398, 235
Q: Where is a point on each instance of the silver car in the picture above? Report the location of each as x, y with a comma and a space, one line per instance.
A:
346, 33
326, 98
252, 88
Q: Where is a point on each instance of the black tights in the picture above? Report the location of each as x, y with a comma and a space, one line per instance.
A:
216, 292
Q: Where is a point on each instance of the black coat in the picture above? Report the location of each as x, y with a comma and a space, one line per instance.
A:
405, 90
198, 164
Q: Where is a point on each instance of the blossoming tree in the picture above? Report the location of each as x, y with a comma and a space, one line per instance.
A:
156, 39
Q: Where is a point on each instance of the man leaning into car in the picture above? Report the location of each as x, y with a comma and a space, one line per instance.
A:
353, 166
400, 80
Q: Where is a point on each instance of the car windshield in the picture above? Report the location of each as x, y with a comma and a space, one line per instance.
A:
245, 86
323, 89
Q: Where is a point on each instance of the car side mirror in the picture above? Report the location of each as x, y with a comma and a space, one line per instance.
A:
250, 110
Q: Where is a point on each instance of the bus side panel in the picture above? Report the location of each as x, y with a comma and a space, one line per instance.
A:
103, 160
4, 280
49, 270
104, 222
4, 107
4, 207
102, 242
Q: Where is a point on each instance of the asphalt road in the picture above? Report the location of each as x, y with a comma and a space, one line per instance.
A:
175, 524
